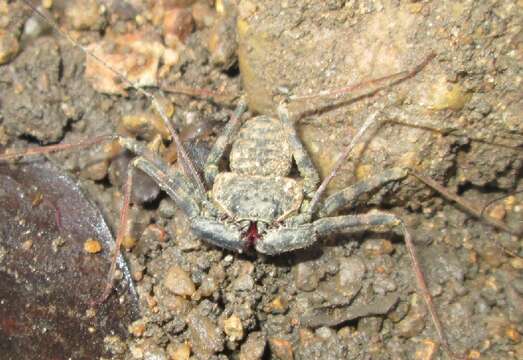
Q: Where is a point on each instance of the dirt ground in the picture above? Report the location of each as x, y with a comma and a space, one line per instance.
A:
354, 296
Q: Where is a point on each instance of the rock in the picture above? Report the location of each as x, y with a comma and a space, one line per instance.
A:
233, 328
85, 15
447, 96
293, 53
426, 350
517, 263
377, 247
144, 190
325, 333
383, 284
278, 305
178, 24
34, 27
154, 352
145, 125
137, 55
208, 286
244, 282
254, 347
178, 305
137, 328
281, 348
222, 43
9, 47
92, 246
115, 345
96, 171
181, 227
414, 322
498, 212
179, 351
203, 15
204, 335
350, 276
492, 256
307, 276
167, 208
147, 350
179, 282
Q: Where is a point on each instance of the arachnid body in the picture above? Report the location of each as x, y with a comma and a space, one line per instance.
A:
257, 204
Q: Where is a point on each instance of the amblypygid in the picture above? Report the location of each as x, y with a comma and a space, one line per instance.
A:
251, 230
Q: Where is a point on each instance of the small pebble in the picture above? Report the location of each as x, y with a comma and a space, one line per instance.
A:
205, 337
306, 337
9, 47
92, 246
155, 233
498, 212
221, 43
278, 305
178, 24
510, 201
181, 228
128, 242
513, 334
85, 15
254, 347
154, 352
517, 263
127, 53
167, 208
208, 286
473, 355
233, 328
27, 245
178, 305
179, 282
281, 348
179, 351
138, 275
414, 322
378, 247
115, 345
307, 276
203, 15
350, 276
97, 171
426, 351
325, 333
492, 256
34, 27
145, 125
137, 328
448, 96
244, 282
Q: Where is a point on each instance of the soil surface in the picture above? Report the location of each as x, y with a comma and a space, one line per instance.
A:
457, 120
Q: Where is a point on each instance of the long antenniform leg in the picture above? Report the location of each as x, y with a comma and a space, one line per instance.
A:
122, 231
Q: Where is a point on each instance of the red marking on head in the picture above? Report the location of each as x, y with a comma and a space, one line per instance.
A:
252, 235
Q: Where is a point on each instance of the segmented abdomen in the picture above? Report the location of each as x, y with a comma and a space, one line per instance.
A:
261, 148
